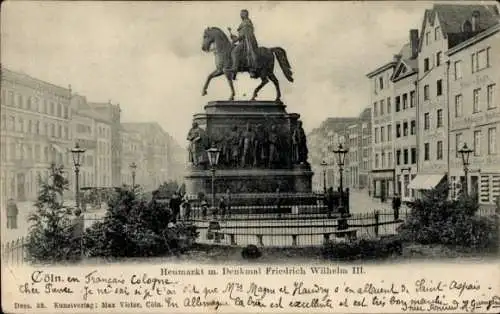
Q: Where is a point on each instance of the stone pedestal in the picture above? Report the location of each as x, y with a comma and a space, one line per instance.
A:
218, 121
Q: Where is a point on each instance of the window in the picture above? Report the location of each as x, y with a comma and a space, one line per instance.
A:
458, 70
413, 127
382, 134
426, 64
382, 158
482, 59
458, 143
439, 56
475, 100
439, 87
439, 118
426, 151
405, 128
389, 132
427, 122
414, 155
398, 103
381, 82
426, 92
458, 106
376, 135
398, 130
427, 38
389, 159
388, 104
477, 143
405, 156
473, 63
375, 109
405, 101
439, 149
382, 105
491, 96
492, 139
437, 33
398, 157
412, 99
376, 160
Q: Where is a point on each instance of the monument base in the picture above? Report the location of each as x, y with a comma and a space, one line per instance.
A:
251, 185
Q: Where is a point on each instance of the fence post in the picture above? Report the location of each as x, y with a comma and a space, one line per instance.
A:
377, 219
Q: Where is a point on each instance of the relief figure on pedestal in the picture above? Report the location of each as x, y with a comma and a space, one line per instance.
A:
247, 145
260, 144
233, 147
197, 141
273, 140
299, 145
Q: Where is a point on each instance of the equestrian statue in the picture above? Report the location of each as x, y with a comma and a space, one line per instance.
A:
242, 54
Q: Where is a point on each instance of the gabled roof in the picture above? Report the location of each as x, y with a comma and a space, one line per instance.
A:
406, 65
452, 17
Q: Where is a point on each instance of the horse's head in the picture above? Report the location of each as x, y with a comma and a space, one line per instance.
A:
208, 39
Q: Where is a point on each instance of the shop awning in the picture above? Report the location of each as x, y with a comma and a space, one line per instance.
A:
425, 181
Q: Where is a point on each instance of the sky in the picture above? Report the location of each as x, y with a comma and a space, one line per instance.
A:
147, 56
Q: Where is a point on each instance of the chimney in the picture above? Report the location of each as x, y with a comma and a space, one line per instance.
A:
475, 21
414, 43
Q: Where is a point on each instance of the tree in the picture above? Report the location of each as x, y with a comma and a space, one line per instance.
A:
435, 219
51, 235
135, 227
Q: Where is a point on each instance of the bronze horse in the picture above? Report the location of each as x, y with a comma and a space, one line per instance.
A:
223, 62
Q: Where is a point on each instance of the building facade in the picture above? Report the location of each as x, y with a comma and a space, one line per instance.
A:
443, 95
35, 119
155, 163
475, 112
404, 117
381, 95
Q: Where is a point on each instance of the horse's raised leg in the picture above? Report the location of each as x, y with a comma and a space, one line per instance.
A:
273, 78
215, 73
265, 80
231, 85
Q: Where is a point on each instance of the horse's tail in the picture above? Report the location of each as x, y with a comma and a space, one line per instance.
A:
280, 54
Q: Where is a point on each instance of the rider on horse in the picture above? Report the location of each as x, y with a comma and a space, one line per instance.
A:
246, 45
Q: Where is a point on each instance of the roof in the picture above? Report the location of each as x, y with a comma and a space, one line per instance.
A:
452, 17
27, 79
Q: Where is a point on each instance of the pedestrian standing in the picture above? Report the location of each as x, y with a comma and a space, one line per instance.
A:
12, 212
329, 200
223, 207
175, 206
187, 209
396, 204
228, 202
204, 209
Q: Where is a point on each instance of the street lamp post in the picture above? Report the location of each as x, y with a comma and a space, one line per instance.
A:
341, 153
324, 165
465, 153
213, 159
77, 152
133, 167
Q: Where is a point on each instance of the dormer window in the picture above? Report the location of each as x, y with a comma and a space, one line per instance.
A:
467, 27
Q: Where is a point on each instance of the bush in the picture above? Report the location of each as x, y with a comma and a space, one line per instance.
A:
362, 249
52, 236
436, 220
134, 227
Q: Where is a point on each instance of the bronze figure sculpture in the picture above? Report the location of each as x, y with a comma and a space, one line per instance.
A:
258, 60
